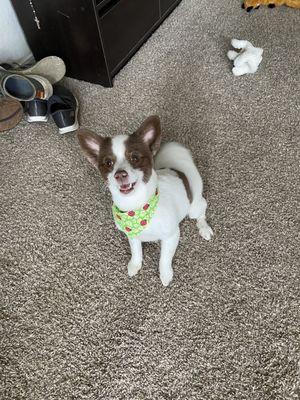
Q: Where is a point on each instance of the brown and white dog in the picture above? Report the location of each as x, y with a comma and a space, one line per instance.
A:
135, 167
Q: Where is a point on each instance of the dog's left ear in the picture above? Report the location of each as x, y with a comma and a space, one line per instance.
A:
150, 133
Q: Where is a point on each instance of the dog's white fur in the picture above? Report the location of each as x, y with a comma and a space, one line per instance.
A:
173, 205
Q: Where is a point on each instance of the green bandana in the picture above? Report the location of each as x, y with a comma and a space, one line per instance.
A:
132, 223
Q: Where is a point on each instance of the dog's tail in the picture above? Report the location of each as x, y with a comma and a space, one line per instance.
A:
173, 155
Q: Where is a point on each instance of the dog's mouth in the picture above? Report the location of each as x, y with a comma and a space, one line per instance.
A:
128, 188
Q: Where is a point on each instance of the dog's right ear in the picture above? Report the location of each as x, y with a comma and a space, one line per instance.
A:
90, 144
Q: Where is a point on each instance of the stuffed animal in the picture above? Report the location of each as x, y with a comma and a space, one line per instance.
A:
250, 4
247, 60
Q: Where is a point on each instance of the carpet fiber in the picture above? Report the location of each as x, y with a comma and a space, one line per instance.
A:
73, 325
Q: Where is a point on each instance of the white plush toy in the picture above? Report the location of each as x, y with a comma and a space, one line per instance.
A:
247, 60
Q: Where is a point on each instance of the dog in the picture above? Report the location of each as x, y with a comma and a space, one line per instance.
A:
153, 188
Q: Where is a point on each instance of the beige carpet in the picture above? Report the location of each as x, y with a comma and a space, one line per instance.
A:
73, 325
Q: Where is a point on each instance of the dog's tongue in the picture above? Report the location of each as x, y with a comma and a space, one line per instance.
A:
125, 187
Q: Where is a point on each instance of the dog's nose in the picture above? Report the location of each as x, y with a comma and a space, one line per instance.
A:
121, 175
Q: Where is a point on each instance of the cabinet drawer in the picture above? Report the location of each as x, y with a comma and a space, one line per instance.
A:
123, 24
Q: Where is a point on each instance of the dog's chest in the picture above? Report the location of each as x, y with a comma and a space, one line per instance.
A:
172, 207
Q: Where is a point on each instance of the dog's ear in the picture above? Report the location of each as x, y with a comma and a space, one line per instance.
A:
90, 144
150, 133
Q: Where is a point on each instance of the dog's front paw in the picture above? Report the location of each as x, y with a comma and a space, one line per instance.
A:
166, 276
205, 230
133, 268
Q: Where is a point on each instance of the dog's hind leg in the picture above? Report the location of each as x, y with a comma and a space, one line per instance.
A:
173, 155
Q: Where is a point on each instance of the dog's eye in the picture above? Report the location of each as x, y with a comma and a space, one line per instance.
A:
108, 162
135, 157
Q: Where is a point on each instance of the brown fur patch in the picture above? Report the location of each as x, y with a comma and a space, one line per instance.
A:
185, 181
98, 150
137, 148
143, 144
105, 155
151, 124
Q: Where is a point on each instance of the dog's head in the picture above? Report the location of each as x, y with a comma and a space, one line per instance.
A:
125, 162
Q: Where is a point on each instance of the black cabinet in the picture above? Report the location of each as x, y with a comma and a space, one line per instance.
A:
119, 33
166, 5
95, 38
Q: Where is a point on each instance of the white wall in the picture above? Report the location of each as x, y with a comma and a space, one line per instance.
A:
13, 46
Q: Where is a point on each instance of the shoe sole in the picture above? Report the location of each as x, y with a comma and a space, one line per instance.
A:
73, 127
52, 68
39, 118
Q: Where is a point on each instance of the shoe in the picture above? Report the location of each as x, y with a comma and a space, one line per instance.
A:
36, 110
11, 113
16, 86
52, 68
24, 88
63, 107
